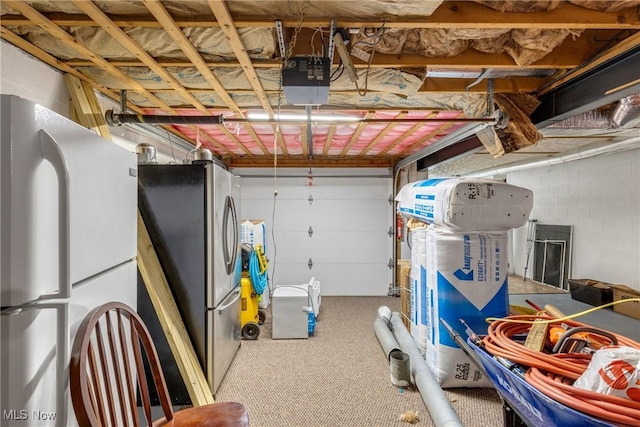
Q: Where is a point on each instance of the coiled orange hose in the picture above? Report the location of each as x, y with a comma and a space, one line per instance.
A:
554, 374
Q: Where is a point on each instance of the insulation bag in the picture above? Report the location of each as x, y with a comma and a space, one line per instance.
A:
466, 204
418, 307
466, 278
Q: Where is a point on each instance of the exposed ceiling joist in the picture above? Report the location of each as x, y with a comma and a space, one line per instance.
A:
219, 9
382, 134
453, 14
121, 37
217, 58
160, 13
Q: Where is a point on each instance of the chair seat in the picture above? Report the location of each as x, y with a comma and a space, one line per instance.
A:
221, 414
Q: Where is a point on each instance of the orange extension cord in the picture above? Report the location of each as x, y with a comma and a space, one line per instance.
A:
554, 374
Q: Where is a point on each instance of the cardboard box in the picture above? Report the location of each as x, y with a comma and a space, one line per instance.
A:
622, 292
591, 291
404, 283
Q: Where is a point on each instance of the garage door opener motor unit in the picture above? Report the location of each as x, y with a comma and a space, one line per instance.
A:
305, 80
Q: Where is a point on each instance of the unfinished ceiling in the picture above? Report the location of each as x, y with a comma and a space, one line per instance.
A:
425, 70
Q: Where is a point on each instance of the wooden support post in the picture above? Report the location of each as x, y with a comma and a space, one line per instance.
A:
170, 319
86, 107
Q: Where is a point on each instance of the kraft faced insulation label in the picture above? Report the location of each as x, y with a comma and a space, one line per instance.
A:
466, 204
465, 277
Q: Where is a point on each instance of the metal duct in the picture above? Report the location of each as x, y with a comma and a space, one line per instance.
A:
593, 119
474, 73
437, 402
628, 109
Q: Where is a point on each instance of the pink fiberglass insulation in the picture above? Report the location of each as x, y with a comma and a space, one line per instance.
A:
398, 138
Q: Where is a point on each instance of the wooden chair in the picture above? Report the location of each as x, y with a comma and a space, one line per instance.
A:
107, 372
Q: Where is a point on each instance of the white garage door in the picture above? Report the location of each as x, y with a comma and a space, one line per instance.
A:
335, 230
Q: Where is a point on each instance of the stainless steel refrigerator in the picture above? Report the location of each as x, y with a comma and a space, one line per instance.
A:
67, 245
191, 212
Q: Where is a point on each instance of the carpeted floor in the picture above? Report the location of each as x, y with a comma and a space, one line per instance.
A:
338, 377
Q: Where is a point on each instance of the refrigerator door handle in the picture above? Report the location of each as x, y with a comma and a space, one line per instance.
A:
230, 253
229, 304
236, 236
50, 151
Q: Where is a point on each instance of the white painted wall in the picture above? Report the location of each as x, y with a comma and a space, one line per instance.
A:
600, 197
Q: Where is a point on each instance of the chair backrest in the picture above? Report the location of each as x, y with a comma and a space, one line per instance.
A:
107, 369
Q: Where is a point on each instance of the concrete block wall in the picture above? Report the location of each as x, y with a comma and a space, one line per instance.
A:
600, 198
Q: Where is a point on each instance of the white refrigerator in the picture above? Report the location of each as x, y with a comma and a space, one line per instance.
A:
68, 244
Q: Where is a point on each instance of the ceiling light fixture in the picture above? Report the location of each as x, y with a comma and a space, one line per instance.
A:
294, 117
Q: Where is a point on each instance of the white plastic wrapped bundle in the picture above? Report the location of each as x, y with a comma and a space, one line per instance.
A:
466, 204
466, 278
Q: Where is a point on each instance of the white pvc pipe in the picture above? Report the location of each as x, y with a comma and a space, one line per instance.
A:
437, 402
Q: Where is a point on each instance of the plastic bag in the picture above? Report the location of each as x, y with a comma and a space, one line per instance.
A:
613, 370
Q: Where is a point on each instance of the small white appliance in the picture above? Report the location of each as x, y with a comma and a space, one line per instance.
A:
290, 307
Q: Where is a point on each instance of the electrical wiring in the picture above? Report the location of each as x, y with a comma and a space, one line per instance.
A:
378, 34
554, 374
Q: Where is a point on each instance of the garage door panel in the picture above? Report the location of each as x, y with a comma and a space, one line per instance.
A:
350, 218
342, 247
338, 279
292, 215
352, 279
349, 215
358, 188
293, 246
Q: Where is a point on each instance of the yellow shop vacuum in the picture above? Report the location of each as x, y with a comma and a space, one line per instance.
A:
254, 272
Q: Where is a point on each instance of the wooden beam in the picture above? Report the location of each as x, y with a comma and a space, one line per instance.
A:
570, 54
465, 14
304, 139
427, 137
356, 134
170, 319
160, 13
220, 11
451, 14
121, 37
327, 143
382, 134
500, 85
317, 162
86, 107
405, 135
